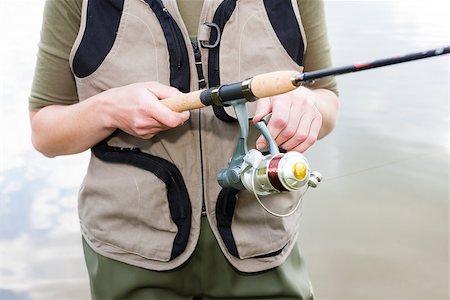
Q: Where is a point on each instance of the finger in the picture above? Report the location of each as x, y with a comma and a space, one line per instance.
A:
278, 120
165, 115
263, 108
161, 91
291, 129
261, 143
300, 135
312, 136
280, 115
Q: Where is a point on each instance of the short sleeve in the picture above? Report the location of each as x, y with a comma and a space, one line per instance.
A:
53, 81
318, 53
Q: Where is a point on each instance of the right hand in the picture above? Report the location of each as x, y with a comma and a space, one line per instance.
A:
137, 110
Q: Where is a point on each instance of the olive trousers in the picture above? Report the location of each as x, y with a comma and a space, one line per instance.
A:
206, 275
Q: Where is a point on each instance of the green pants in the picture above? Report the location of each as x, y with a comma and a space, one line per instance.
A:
206, 275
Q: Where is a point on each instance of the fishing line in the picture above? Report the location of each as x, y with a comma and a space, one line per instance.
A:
266, 208
380, 166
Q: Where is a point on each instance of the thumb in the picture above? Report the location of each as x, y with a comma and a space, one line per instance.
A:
161, 91
261, 143
263, 108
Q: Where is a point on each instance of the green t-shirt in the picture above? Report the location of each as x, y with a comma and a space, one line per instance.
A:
54, 82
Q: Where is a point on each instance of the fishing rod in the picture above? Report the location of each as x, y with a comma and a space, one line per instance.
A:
275, 83
276, 172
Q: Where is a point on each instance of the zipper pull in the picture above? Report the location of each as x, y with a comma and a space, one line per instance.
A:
166, 11
198, 64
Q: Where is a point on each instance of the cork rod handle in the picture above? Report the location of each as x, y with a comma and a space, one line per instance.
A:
273, 83
184, 102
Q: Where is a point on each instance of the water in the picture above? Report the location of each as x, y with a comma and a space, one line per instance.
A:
376, 228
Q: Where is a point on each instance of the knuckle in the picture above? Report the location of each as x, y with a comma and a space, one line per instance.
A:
311, 140
173, 121
185, 117
141, 133
300, 137
279, 122
142, 110
148, 136
138, 125
319, 118
288, 133
140, 129
300, 149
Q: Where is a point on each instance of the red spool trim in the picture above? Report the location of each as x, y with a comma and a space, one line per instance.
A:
272, 173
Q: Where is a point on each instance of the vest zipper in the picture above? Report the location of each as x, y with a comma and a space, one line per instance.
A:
180, 73
201, 162
201, 85
176, 37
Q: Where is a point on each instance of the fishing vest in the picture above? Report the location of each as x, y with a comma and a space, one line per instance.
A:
141, 199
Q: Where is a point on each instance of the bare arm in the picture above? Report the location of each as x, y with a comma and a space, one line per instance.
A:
135, 109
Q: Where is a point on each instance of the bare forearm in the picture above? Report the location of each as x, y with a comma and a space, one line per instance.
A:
60, 130
328, 105
135, 109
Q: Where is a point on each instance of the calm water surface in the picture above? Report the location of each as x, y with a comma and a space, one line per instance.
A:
377, 228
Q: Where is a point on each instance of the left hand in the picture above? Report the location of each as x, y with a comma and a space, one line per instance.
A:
295, 121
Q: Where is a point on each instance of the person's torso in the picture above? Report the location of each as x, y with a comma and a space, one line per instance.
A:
150, 216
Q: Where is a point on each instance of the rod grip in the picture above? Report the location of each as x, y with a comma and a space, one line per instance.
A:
273, 83
184, 102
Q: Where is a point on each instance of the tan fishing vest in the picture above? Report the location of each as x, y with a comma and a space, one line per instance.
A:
141, 200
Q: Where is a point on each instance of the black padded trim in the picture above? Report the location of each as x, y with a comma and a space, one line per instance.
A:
282, 17
274, 253
226, 203
177, 194
102, 24
180, 73
221, 17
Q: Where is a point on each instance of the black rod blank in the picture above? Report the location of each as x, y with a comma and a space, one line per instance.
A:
310, 76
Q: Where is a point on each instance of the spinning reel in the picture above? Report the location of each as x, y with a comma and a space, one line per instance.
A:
265, 174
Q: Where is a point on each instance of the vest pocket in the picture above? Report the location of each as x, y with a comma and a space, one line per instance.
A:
152, 218
248, 231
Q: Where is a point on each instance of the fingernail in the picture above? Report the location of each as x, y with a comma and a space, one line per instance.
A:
260, 146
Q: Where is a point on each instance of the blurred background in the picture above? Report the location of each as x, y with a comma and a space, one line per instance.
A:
376, 228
